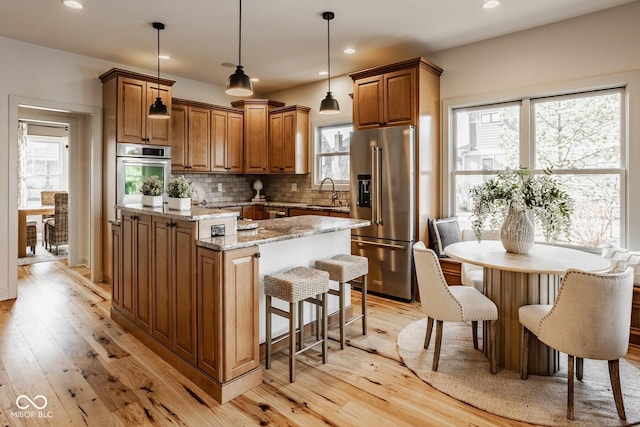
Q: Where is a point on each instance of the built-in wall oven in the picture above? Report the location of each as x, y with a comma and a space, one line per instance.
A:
136, 162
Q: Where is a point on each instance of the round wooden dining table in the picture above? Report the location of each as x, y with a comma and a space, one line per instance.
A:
513, 280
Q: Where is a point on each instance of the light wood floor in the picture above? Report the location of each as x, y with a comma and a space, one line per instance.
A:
57, 340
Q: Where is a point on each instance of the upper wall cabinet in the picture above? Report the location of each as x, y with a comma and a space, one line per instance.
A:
127, 97
289, 140
256, 133
388, 96
206, 138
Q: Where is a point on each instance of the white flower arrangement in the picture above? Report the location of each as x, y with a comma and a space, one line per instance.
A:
515, 189
151, 186
179, 187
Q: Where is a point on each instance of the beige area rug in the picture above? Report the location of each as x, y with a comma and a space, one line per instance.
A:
43, 255
463, 373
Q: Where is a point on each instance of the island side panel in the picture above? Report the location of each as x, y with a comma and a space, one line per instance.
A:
280, 256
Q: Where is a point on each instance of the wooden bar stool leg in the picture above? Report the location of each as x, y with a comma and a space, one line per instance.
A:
364, 305
267, 362
293, 308
325, 327
301, 325
342, 314
318, 320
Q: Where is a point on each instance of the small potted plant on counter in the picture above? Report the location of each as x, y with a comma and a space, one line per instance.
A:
179, 193
151, 189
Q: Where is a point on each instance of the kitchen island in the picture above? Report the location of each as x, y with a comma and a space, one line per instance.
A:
197, 300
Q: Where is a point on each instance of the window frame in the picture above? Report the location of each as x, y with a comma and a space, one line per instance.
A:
316, 155
627, 83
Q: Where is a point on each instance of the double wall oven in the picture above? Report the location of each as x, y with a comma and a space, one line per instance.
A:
136, 162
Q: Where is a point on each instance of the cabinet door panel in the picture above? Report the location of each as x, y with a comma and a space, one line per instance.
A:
368, 102
184, 257
161, 279
289, 130
199, 139
218, 141
131, 119
276, 143
256, 139
158, 131
400, 106
143, 270
128, 268
241, 296
179, 150
116, 274
210, 312
235, 144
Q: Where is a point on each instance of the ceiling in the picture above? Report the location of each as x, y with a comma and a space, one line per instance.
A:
284, 41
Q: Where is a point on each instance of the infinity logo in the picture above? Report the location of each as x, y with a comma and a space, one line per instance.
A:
20, 401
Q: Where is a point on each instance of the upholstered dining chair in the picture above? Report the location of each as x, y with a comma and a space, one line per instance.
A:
589, 319
46, 199
57, 229
471, 274
441, 302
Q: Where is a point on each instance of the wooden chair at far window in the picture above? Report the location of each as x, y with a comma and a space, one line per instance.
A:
46, 199
589, 319
57, 229
441, 302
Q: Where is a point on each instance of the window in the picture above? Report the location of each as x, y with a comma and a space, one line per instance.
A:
579, 136
43, 166
332, 153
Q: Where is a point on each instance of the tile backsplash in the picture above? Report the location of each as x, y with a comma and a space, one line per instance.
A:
239, 188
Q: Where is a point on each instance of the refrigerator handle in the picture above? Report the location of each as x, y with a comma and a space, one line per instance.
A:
379, 186
374, 184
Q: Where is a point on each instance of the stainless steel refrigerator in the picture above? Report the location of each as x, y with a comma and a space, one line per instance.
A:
383, 191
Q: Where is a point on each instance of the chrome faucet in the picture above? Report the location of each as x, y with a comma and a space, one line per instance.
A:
334, 194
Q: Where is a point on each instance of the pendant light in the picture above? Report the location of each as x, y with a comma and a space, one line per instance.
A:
329, 104
239, 84
158, 110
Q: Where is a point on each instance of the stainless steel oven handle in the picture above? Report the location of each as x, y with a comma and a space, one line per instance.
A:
384, 245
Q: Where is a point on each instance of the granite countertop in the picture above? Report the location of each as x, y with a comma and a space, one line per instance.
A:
196, 213
275, 230
222, 205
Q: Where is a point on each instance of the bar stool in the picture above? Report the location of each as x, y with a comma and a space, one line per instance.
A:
345, 268
296, 286
32, 235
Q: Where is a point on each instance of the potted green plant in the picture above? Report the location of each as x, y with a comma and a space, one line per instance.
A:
179, 193
151, 189
510, 196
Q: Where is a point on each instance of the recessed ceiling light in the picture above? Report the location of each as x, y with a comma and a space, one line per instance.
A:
164, 56
73, 4
322, 73
349, 51
490, 4
228, 65
255, 79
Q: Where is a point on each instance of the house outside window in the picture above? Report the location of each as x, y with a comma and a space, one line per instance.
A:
332, 154
579, 136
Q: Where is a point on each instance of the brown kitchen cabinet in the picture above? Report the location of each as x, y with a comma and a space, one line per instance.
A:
634, 337
173, 283
135, 258
253, 211
256, 133
116, 272
133, 94
451, 271
228, 323
126, 98
289, 140
340, 214
191, 145
302, 211
227, 146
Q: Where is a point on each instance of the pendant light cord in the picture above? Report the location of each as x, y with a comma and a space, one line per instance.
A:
240, 36
328, 56
158, 62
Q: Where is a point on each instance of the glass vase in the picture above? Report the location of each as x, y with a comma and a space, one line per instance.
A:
517, 232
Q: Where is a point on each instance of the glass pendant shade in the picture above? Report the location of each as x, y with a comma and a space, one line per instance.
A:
329, 105
239, 84
158, 110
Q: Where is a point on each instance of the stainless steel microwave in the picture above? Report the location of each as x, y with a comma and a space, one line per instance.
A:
136, 162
